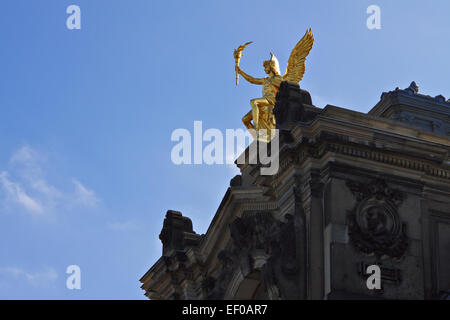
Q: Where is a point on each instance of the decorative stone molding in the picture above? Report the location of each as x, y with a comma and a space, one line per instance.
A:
388, 158
177, 232
374, 224
330, 142
257, 242
288, 256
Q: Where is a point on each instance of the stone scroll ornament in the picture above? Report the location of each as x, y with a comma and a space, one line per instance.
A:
258, 235
374, 225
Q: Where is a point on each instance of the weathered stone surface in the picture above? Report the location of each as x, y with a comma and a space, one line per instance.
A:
374, 224
259, 242
289, 107
236, 181
417, 110
352, 190
177, 232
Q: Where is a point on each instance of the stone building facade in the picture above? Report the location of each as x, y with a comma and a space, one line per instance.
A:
352, 190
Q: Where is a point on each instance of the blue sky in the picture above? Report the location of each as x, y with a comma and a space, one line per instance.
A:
86, 116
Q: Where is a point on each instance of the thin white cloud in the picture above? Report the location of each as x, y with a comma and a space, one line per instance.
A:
15, 193
25, 184
83, 195
41, 186
26, 155
45, 277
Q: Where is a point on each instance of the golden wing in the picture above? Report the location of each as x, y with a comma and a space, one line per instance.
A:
296, 64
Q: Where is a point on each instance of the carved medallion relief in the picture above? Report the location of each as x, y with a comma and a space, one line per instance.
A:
374, 224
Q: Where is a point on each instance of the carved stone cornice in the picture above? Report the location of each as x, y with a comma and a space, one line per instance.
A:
328, 142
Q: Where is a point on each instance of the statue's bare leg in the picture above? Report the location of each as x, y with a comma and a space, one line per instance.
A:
247, 120
262, 108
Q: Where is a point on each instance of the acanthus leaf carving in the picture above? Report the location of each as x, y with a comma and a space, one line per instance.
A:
258, 241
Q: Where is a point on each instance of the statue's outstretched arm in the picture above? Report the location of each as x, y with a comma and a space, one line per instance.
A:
249, 78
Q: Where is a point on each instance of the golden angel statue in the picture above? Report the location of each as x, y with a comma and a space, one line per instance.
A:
262, 108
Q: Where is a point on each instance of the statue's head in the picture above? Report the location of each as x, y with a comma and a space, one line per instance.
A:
272, 65
376, 219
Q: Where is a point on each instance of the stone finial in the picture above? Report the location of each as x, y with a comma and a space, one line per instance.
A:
413, 88
440, 98
177, 232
